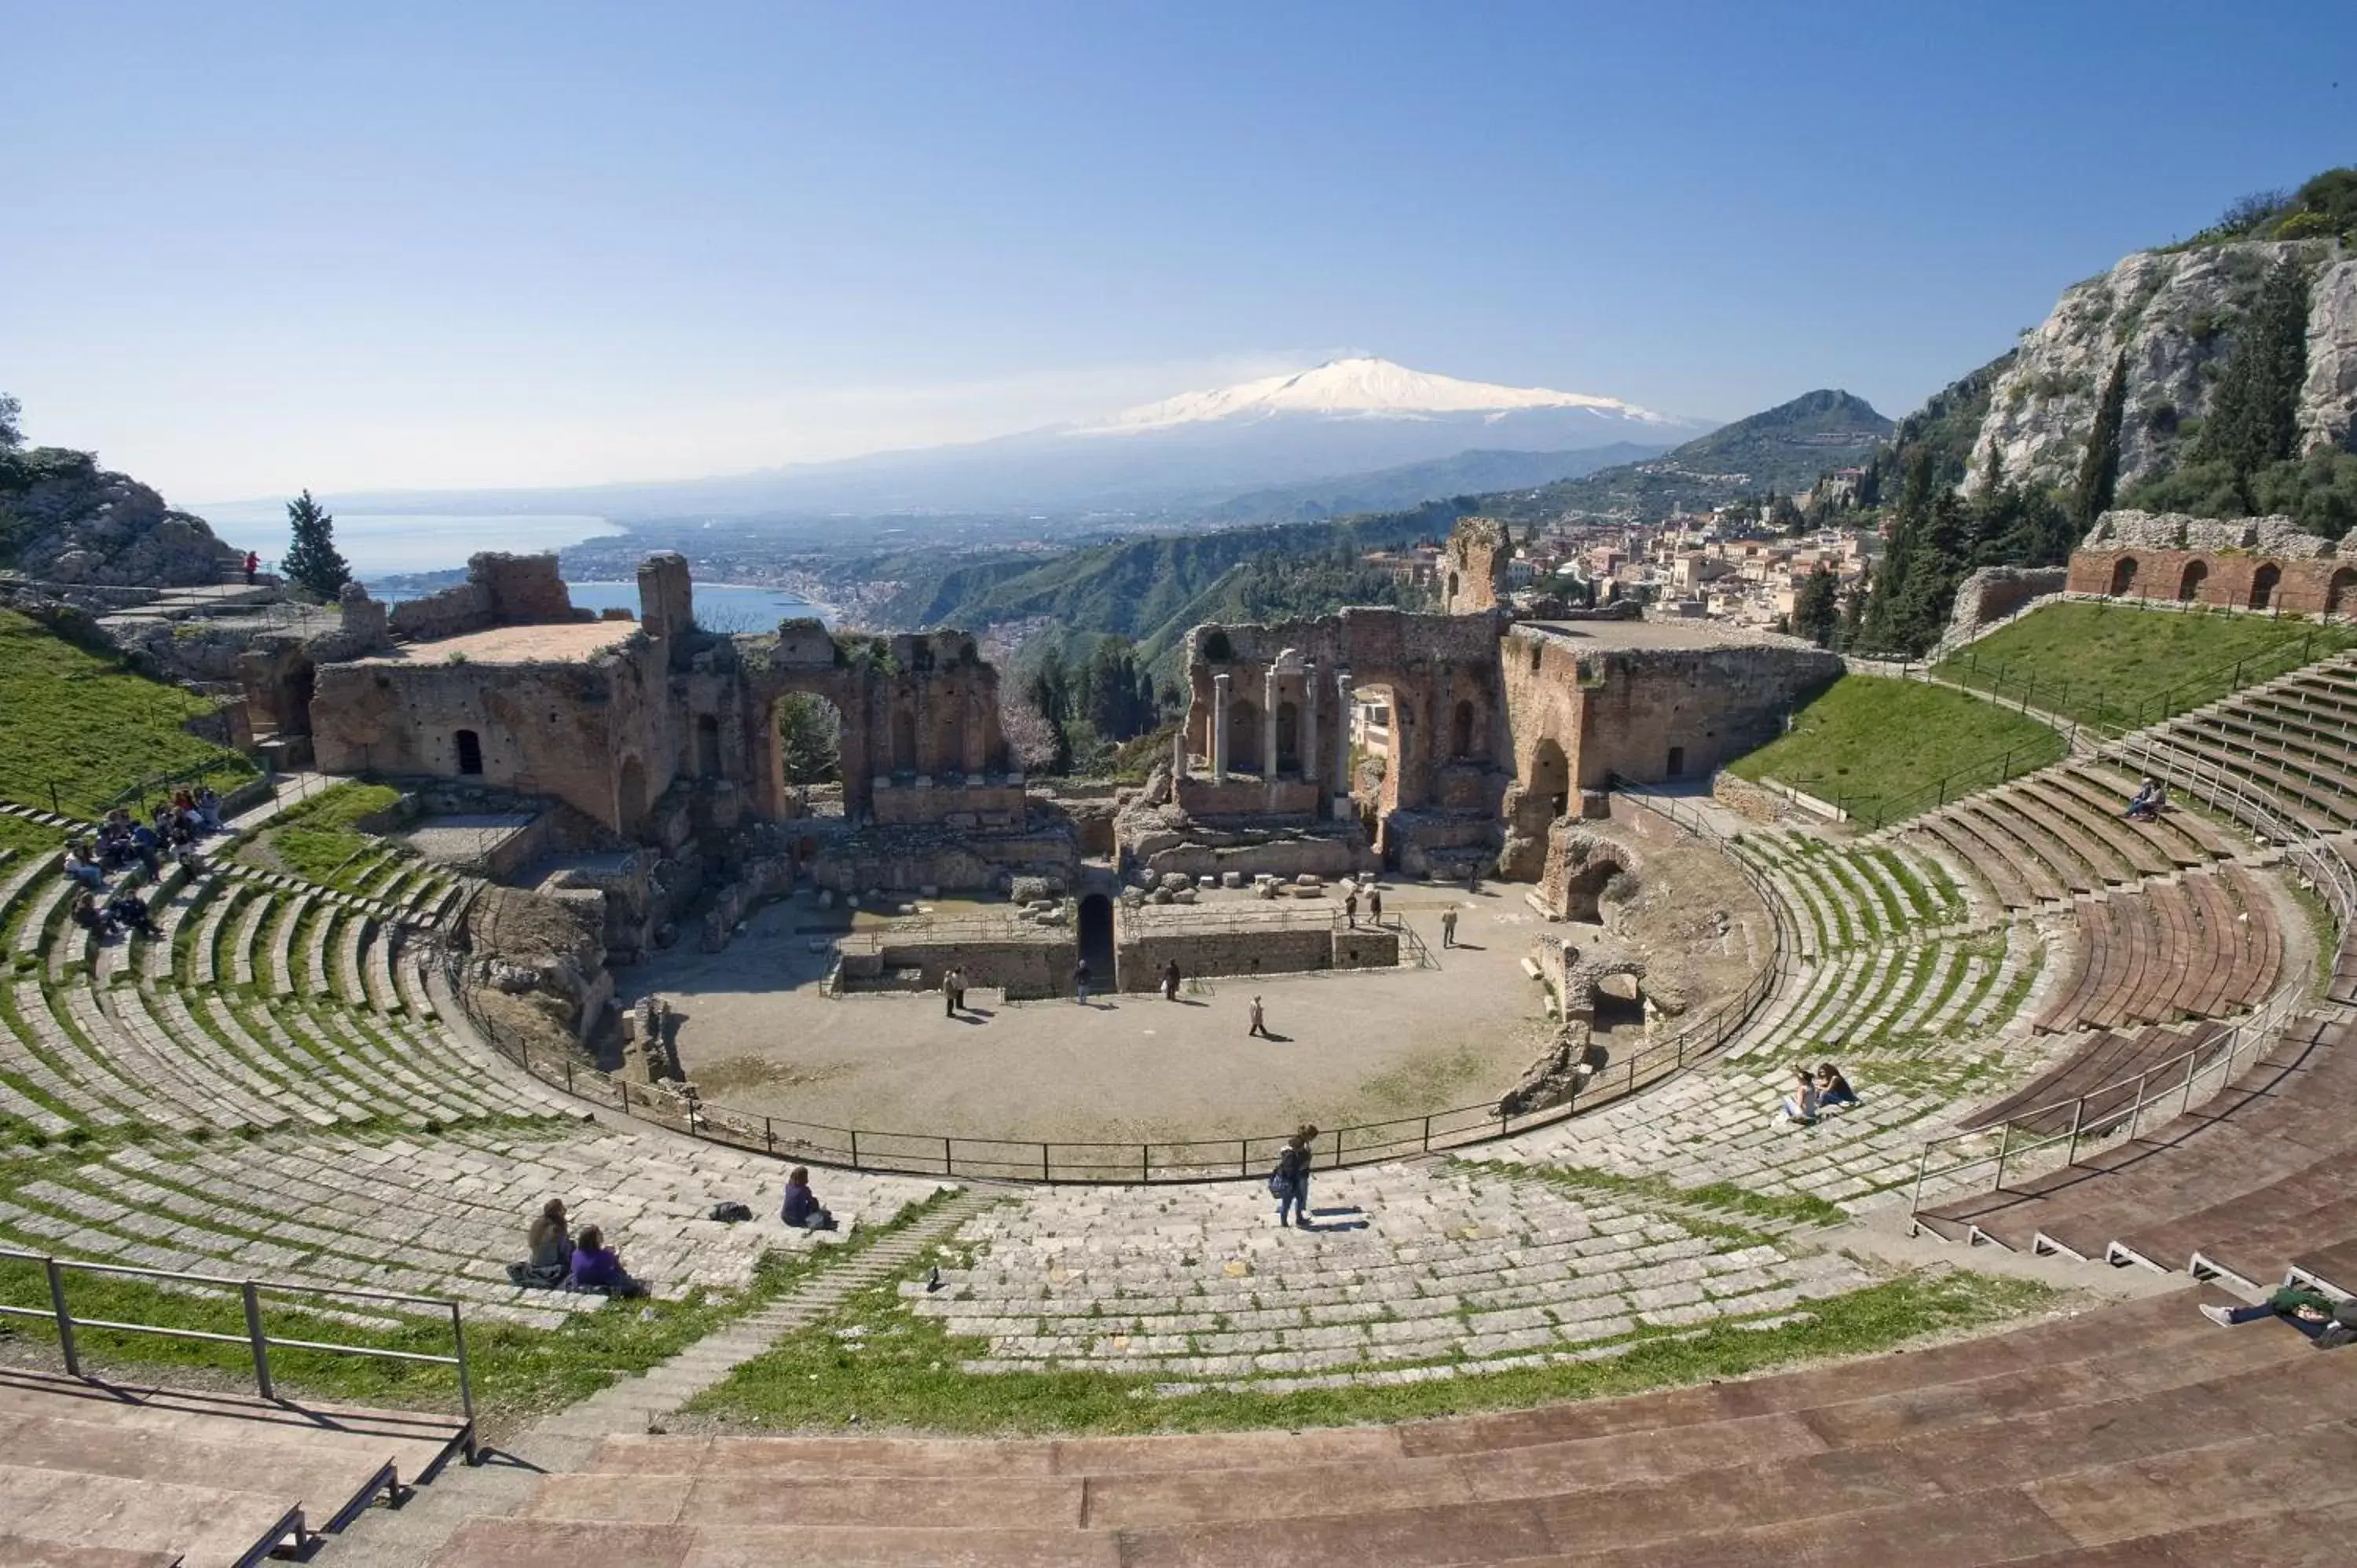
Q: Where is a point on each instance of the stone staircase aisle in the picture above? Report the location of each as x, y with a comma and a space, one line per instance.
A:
566, 1441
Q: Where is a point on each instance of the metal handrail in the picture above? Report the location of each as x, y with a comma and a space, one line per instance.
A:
1078, 1161
2262, 811
257, 1338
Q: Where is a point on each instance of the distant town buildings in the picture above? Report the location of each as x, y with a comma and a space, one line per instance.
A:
1722, 565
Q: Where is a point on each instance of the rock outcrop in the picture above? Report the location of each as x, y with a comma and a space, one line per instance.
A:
2175, 314
79, 525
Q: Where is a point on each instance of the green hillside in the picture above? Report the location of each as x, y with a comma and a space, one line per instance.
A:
81, 729
1783, 449
1149, 590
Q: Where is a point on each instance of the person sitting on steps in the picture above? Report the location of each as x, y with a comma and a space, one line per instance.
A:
801, 1208
1801, 1106
2145, 805
551, 1244
597, 1268
2329, 1323
127, 911
1833, 1091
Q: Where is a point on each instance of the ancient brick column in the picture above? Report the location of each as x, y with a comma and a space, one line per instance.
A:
1310, 769
1220, 728
1268, 726
1343, 715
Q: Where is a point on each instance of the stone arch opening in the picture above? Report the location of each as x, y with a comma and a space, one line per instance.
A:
806, 753
1581, 866
707, 747
2263, 585
295, 710
2339, 590
1460, 730
1583, 889
1288, 738
1096, 939
1452, 587
2124, 576
904, 741
2190, 581
470, 751
1243, 736
1550, 776
948, 738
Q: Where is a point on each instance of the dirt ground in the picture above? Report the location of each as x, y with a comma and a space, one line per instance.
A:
760, 1035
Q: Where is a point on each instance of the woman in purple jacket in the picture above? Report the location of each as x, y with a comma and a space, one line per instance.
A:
595, 1266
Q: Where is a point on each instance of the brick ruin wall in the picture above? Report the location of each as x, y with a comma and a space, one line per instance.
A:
500, 590
2243, 563
1993, 593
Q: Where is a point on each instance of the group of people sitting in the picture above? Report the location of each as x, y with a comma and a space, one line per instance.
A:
2145, 805
561, 1258
1816, 1094
123, 911
122, 841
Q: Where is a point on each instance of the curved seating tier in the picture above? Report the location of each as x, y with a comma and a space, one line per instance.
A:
436, 1216
2290, 738
2201, 945
2140, 1435
1415, 1271
2059, 831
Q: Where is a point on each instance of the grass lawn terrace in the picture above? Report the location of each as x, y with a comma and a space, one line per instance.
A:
1881, 748
86, 729
2121, 667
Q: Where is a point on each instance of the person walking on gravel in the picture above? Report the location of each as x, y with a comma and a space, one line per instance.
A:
1259, 1022
1448, 928
1080, 981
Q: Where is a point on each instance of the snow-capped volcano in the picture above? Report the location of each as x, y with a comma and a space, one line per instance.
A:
1363, 386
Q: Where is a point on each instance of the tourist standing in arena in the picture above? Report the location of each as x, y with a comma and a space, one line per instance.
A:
1259, 1022
1448, 928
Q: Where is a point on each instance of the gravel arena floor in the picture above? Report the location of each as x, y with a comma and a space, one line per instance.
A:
760, 1035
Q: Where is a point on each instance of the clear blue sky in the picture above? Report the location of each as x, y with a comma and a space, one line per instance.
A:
249, 248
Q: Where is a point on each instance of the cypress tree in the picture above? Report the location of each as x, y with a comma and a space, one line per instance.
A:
312, 563
1817, 610
2099, 470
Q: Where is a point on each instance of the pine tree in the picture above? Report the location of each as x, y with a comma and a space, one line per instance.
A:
1817, 610
312, 564
2099, 471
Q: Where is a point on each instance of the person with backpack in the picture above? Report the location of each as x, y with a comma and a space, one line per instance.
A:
802, 1208
1289, 1182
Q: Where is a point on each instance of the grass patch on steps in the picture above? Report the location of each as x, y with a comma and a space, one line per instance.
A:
1882, 749
316, 841
875, 1362
1723, 1195
2119, 667
519, 1372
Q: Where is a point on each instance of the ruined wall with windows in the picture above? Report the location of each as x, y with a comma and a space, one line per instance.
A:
2267, 564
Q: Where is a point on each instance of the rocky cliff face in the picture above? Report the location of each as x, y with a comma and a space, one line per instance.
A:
72, 522
2175, 314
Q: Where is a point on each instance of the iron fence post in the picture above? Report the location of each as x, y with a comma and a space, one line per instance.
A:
1043, 1161
1146, 1163
257, 1340
1243, 1156
1923, 1165
1428, 1134
855, 1148
2078, 1115
73, 1356
2003, 1148
465, 1383
945, 1157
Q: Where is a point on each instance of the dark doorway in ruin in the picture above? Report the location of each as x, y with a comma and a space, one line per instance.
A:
904, 741
2338, 591
2189, 586
1677, 769
2123, 575
1243, 736
632, 801
1551, 776
707, 747
295, 708
948, 739
1096, 939
2263, 585
470, 752
1288, 738
1460, 734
